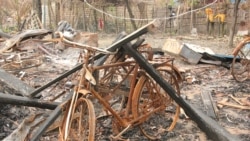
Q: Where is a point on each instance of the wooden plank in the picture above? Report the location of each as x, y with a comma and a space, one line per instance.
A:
208, 104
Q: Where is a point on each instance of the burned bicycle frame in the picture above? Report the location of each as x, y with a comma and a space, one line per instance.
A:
212, 129
117, 66
241, 63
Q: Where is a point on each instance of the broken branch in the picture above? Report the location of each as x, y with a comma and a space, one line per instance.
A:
234, 105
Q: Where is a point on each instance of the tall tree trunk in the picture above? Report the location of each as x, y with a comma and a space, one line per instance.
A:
143, 11
37, 7
131, 15
104, 19
192, 16
85, 25
61, 9
95, 20
233, 26
57, 13
50, 13
116, 22
124, 11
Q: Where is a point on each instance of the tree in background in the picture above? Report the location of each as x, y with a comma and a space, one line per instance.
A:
37, 7
17, 9
130, 12
233, 26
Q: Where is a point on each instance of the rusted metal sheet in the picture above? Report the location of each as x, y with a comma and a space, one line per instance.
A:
190, 55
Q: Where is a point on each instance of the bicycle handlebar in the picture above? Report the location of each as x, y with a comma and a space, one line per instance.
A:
83, 46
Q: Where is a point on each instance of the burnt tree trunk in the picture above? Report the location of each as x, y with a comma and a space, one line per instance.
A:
233, 25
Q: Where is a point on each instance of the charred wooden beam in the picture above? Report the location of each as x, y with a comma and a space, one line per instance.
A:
147, 28
111, 48
24, 101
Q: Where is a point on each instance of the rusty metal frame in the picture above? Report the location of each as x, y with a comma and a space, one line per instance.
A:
240, 57
114, 64
208, 125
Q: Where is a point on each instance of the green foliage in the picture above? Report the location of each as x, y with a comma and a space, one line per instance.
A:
9, 29
171, 2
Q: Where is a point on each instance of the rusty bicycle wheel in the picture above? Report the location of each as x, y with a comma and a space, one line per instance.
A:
82, 124
241, 63
158, 113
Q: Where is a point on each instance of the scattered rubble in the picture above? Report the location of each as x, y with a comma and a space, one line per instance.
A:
32, 62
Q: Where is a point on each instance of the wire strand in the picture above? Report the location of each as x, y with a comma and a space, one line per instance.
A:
136, 19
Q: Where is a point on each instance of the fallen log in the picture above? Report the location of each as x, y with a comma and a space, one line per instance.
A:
212, 129
24, 101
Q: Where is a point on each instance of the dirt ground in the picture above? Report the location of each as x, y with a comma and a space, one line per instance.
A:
216, 80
